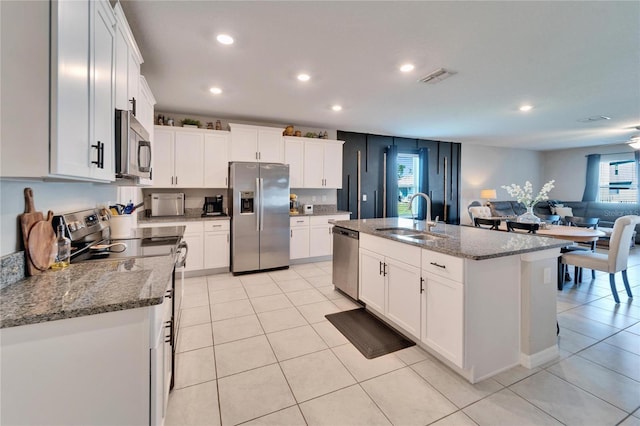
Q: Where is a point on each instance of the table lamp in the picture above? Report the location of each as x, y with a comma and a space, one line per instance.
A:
488, 194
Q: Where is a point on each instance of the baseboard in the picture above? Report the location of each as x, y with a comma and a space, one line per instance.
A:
539, 358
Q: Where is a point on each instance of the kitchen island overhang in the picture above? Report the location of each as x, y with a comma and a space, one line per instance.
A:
487, 299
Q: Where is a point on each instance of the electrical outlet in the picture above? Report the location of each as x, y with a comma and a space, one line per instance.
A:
364, 197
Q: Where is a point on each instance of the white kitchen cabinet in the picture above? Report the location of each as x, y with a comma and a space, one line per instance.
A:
372, 289
443, 320
145, 105
127, 64
256, 143
299, 231
390, 281
320, 235
178, 158
216, 154
194, 237
294, 157
82, 118
322, 163
216, 244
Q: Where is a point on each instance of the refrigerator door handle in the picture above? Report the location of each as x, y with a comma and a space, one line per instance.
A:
261, 204
258, 199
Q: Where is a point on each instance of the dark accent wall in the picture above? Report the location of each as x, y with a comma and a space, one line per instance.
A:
372, 148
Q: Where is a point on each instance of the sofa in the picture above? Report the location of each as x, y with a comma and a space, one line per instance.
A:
606, 212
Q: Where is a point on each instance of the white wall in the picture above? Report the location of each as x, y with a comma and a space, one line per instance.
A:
58, 197
569, 168
485, 167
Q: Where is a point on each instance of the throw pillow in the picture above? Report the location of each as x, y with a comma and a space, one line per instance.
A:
554, 207
564, 211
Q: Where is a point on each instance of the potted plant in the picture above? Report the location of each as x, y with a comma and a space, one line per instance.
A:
190, 122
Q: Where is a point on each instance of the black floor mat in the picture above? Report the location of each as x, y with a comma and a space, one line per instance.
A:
372, 337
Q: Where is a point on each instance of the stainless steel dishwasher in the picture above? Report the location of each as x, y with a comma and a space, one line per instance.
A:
345, 260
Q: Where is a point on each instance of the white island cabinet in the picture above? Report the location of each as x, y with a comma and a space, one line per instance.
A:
482, 302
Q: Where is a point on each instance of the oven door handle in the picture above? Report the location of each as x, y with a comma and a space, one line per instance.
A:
183, 249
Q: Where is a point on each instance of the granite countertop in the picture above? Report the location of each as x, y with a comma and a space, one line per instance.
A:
189, 216
460, 241
320, 213
89, 288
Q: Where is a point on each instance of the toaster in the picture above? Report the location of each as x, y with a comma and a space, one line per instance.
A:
167, 204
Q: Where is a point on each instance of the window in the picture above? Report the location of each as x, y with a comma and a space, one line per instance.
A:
618, 179
408, 182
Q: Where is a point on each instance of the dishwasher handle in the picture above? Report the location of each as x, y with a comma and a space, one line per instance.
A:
346, 233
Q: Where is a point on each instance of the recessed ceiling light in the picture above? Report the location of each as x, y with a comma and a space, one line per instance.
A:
407, 67
336, 108
525, 108
215, 90
304, 77
224, 39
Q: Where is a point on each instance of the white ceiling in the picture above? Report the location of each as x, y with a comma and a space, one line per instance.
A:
571, 60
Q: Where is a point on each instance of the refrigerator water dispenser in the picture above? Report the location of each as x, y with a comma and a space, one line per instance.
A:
246, 202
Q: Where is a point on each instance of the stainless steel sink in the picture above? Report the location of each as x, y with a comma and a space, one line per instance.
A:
412, 234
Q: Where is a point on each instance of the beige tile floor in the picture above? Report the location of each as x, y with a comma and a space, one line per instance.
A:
256, 349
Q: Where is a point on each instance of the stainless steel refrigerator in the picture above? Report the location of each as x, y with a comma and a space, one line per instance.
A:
259, 195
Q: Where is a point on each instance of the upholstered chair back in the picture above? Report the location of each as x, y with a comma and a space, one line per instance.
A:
619, 243
479, 211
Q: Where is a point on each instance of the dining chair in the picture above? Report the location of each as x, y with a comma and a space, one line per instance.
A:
612, 262
581, 222
552, 219
531, 228
485, 223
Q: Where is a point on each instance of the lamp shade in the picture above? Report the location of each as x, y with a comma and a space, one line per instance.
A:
489, 194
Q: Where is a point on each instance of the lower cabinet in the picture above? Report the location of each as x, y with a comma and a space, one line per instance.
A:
216, 244
442, 316
390, 286
208, 243
299, 232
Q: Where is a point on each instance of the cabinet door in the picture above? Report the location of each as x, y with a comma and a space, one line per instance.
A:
195, 257
121, 70
270, 146
133, 79
244, 144
333, 165
372, 281
189, 155
299, 245
163, 158
216, 154
313, 164
70, 116
102, 90
216, 250
442, 323
320, 240
294, 157
403, 295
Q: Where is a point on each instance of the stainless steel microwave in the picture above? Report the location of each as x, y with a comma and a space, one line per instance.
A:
133, 147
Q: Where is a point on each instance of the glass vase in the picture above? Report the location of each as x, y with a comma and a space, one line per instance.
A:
528, 217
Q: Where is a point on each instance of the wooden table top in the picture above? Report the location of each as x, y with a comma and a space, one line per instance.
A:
573, 233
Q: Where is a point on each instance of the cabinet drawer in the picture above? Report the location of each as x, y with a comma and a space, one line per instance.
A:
298, 221
326, 220
404, 252
216, 225
191, 227
443, 265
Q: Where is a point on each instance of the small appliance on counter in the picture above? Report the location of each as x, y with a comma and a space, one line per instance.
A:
293, 204
167, 204
307, 209
213, 206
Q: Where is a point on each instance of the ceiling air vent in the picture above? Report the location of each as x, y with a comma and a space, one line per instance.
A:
594, 118
437, 76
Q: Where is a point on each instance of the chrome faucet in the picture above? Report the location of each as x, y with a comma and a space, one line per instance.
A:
428, 216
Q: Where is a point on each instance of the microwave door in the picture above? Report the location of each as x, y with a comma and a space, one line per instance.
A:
144, 156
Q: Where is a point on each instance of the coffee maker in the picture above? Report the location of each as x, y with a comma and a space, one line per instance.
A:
213, 206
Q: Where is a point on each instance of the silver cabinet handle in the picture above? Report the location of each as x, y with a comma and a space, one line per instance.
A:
421, 285
438, 265
261, 204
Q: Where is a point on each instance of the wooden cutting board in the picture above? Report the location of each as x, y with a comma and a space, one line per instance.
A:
41, 241
27, 219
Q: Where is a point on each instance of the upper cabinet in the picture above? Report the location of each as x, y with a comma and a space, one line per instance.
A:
256, 143
294, 157
82, 117
180, 155
127, 65
322, 163
145, 104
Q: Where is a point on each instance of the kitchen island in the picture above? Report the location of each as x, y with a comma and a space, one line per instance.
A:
481, 301
89, 344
